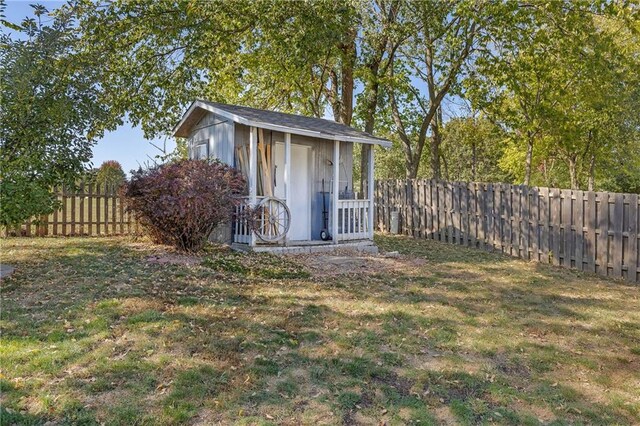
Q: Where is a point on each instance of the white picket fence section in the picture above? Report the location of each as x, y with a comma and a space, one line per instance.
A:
353, 220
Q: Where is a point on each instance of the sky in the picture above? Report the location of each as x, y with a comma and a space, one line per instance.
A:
126, 144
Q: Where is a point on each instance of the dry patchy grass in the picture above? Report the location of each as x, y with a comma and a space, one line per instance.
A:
97, 330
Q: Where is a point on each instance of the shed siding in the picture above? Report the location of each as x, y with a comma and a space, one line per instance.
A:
219, 132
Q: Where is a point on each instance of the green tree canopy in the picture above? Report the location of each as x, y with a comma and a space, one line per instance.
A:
48, 115
110, 173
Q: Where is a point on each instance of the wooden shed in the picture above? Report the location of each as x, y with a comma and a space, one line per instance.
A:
303, 163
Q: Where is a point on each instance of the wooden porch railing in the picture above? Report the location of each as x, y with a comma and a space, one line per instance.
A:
353, 220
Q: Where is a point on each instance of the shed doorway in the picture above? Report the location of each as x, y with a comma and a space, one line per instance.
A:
299, 201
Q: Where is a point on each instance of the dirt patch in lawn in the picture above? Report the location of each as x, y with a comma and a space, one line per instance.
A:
174, 259
349, 262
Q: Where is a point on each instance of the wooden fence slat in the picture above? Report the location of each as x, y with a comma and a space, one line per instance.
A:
506, 218
380, 184
515, 218
400, 206
446, 206
114, 209
544, 225
591, 215
408, 210
120, 201
454, 224
65, 218
632, 228
565, 229
556, 208
480, 215
464, 214
578, 220
526, 222
381, 205
617, 243
82, 196
376, 207
473, 218
106, 208
388, 208
393, 204
99, 210
417, 208
90, 209
492, 213
73, 211
437, 214
499, 217
422, 203
56, 212
602, 245
430, 214
535, 223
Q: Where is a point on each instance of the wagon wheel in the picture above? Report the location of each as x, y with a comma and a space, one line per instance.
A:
272, 220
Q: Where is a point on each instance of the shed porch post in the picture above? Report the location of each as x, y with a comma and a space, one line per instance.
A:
370, 184
253, 173
287, 167
287, 172
336, 191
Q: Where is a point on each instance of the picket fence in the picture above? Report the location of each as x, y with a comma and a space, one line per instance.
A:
586, 230
90, 209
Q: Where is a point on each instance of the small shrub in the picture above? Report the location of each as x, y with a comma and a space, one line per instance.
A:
180, 203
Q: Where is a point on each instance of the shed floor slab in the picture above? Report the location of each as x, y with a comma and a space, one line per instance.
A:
302, 247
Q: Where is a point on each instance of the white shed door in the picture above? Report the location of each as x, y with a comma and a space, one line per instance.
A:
299, 200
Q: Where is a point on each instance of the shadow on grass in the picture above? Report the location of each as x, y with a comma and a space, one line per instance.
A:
97, 334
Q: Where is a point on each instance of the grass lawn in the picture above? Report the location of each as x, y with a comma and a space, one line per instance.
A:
98, 330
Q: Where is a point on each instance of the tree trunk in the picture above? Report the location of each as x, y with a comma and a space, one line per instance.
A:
364, 166
348, 65
474, 160
371, 105
592, 173
528, 159
435, 156
412, 170
446, 167
573, 173
436, 140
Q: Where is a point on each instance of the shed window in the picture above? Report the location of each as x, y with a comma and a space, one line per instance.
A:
201, 150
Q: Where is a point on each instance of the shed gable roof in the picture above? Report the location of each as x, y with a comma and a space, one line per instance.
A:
279, 121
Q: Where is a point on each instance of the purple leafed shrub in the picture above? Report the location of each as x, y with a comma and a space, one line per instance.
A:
180, 203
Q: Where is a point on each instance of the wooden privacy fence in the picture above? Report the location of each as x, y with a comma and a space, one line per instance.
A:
585, 230
89, 210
